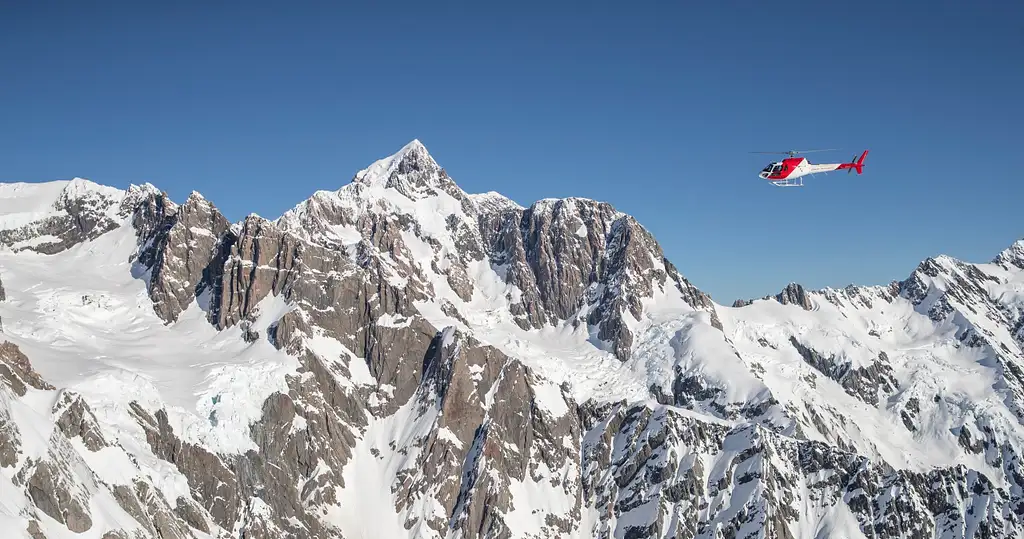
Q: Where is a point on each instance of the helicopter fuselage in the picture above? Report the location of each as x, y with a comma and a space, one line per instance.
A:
795, 167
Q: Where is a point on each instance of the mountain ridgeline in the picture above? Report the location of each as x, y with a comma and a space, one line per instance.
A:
399, 358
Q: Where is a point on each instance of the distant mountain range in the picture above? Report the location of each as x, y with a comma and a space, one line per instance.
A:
401, 359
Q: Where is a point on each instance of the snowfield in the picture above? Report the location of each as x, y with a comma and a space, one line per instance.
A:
88, 325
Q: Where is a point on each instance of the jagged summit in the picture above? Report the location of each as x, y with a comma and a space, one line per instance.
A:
1014, 254
413, 172
411, 167
411, 182
563, 261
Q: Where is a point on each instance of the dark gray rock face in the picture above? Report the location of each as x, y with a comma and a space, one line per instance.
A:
55, 491
179, 245
580, 259
16, 375
149, 508
17, 372
794, 294
341, 298
224, 485
211, 480
75, 419
865, 383
552, 264
499, 441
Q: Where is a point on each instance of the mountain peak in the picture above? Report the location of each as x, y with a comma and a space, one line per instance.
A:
1014, 254
415, 144
78, 188
413, 159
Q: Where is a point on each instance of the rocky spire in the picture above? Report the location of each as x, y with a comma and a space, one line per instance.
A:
794, 294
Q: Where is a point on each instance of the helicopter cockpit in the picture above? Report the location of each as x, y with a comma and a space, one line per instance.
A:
772, 168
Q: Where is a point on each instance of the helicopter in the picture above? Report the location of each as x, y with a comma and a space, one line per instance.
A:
790, 171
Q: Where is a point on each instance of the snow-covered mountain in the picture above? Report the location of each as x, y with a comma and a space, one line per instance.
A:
401, 359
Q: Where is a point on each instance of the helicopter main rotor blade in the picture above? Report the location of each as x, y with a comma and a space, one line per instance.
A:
794, 152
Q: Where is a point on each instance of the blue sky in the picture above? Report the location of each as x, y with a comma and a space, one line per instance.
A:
650, 107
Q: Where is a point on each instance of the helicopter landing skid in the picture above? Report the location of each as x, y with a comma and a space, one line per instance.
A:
795, 182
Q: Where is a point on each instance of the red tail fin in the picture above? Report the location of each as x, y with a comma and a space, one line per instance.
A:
858, 164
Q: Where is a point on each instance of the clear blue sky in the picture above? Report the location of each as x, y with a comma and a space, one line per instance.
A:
653, 109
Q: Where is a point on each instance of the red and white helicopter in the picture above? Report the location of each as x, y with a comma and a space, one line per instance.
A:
790, 171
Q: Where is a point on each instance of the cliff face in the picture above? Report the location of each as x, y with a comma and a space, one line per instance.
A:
399, 358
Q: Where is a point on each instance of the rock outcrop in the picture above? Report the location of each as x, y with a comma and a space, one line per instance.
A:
583, 260
17, 371
181, 244
864, 382
794, 294
81, 211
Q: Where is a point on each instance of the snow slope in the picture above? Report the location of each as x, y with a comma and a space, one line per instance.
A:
88, 325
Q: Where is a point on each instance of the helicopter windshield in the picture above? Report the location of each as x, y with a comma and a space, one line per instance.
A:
772, 168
